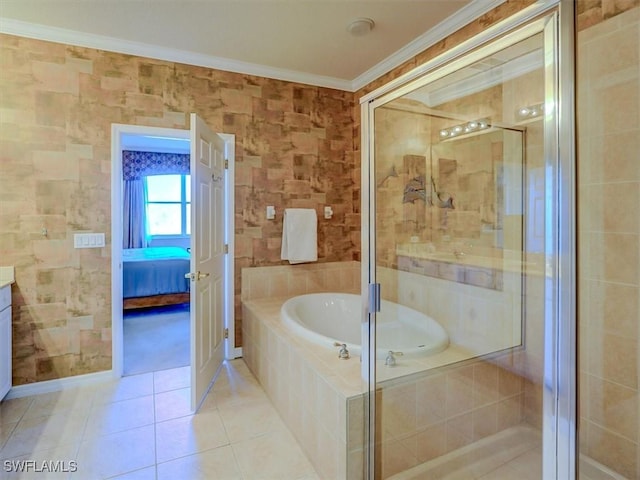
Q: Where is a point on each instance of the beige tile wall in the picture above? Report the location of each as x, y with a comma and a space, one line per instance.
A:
609, 233
290, 280
423, 417
306, 384
314, 411
407, 142
57, 104
480, 320
420, 416
608, 263
482, 397
402, 142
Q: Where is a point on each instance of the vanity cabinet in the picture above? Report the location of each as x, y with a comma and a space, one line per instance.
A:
5, 340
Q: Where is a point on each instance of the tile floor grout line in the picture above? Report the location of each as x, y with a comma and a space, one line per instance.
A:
83, 434
235, 374
155, 428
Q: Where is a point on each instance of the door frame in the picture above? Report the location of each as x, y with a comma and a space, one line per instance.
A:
117, 331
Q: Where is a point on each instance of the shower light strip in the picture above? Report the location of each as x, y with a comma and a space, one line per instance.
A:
465, 128
530, 112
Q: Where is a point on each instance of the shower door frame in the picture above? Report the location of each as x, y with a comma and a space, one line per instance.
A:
556, 19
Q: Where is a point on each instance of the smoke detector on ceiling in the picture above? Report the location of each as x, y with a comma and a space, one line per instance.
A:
360, 26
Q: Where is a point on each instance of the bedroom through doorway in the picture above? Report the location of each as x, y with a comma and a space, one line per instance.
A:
156, 204
185, 243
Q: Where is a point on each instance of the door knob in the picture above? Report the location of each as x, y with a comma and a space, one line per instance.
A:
196, 276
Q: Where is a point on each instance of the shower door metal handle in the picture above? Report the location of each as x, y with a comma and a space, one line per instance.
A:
194, 277
374, 297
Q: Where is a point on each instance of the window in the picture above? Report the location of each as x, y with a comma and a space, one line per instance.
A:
168, 204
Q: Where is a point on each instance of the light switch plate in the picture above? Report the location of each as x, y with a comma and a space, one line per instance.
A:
88, 240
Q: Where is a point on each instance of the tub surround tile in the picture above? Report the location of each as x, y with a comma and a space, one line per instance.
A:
477, 399
302, 410
395, 458
292, 280
432, 442
510, 412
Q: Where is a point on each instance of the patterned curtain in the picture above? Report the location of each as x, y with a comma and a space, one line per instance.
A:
136, 166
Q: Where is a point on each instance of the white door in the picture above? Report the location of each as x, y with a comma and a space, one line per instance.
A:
207, 257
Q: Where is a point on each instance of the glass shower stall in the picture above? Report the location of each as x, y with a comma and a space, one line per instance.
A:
467, 188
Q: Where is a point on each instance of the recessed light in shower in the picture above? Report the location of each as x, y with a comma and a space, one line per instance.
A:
360, 26
530, 112
465, 128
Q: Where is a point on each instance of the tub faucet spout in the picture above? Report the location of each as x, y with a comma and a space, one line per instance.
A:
390, 361
343, 354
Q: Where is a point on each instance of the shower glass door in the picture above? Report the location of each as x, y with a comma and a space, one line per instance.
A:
462, 201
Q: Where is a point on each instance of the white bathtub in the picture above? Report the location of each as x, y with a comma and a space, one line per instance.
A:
325, 318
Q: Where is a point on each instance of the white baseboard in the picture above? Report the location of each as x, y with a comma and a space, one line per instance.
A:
236, 353
58, 384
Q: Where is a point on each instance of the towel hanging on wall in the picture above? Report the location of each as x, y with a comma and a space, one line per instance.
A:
299, 235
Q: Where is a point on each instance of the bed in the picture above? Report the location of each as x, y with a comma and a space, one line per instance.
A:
155, 276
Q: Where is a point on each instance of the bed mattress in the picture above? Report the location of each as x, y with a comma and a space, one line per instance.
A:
154, 271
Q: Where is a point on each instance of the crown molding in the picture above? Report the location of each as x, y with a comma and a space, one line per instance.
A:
100, 42
89, 40
445, 28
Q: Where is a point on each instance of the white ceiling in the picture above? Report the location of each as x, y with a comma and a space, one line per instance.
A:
297, 40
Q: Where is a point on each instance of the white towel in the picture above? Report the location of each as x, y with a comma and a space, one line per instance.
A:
299, 235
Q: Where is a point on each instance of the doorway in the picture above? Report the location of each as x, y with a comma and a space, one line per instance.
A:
174, 141
156, 242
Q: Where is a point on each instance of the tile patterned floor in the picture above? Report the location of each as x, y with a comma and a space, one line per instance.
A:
140, 428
